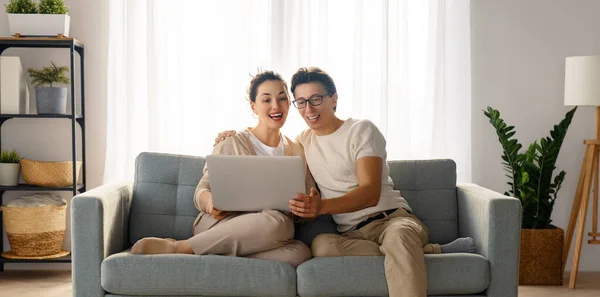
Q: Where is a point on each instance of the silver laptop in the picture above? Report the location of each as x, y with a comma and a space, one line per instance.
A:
254, 183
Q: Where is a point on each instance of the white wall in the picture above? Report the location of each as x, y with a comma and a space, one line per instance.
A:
49, 139
518, 56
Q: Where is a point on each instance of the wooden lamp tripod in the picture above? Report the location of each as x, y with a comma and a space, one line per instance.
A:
582, 87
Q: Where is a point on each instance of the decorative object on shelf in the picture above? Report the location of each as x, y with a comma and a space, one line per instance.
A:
49, 18
582, 75
14, 90
49, 174
35, 226
531, 182
9, 168
50, 99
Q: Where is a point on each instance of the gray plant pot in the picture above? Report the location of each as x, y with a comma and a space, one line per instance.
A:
51, 100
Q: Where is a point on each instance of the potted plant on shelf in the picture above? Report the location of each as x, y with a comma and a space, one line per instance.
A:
49, 18
530, 178
9, 168
50, 99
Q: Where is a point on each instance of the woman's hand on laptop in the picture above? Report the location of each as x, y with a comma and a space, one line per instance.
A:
223, 135
307, 206
215, 213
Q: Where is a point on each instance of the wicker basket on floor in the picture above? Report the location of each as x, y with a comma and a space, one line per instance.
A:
35, 232
49, 174
541, 257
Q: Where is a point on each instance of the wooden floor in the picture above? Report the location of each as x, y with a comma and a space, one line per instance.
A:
17, 283
58, 284
588, 285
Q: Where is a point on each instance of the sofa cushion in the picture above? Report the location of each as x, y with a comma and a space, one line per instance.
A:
129, 274
163, 192
113, 295
429, 187
447, 274
164, 186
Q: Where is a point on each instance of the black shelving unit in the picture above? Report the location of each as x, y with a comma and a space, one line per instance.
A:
74, 46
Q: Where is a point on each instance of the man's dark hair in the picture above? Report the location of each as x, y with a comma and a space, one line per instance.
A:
306, 75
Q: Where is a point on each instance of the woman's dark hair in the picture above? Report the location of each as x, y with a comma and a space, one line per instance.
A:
313, 74
262, 77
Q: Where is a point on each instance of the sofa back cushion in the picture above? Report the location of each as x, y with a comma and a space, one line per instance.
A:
163, 194
164, 188
429, 186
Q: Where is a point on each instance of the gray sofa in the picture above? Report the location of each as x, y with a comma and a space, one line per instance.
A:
106, 221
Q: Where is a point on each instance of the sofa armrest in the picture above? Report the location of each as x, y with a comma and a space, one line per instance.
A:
99, 227
494, 222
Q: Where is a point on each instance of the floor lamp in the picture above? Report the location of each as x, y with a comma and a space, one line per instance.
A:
582, 88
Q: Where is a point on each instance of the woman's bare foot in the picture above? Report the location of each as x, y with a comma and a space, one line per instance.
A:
154, 245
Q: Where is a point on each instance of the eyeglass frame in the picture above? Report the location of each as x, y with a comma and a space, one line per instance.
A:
309, 101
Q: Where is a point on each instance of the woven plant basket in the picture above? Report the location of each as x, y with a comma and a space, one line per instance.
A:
541, 257
35, 232
49, 174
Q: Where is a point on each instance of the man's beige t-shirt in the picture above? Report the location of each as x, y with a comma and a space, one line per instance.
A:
332, 160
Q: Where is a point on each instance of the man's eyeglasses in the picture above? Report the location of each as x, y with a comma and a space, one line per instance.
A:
314, 100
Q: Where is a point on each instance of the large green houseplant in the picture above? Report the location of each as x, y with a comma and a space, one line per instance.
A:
531, 180
530, 172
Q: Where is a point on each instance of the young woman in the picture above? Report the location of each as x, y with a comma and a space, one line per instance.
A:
267, 234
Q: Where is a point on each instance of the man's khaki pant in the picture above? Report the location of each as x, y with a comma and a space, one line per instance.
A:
265, 235
400, 237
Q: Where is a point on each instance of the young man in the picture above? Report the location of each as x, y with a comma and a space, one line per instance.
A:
347, 159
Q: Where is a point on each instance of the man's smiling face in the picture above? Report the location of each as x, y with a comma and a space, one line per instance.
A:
322, 115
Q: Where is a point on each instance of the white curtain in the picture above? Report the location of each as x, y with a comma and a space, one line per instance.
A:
179, 70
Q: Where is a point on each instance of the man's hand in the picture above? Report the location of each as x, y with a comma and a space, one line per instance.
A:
223, 135
215, 213
307, 206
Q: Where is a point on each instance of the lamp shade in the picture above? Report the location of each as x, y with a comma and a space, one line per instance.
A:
582, 81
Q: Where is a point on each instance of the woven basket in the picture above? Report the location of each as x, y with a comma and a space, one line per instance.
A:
541, 257
49, 174
35, 231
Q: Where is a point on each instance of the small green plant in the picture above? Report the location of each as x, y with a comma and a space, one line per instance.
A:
53, 7
530, 173
9, 157
49, 75
21, 6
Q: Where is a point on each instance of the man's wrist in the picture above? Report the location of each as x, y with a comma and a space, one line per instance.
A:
325, 207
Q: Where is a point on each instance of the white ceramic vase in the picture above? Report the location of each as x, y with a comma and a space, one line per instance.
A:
9, 174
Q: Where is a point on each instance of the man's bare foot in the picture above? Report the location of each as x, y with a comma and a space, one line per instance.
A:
154, 245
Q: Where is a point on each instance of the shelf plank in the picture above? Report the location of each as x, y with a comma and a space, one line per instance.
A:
26, 187
39, 116
40, 42
65, 259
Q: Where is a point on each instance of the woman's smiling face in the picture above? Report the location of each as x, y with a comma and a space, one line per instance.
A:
272, 104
